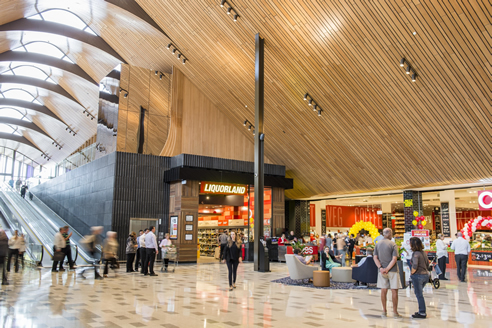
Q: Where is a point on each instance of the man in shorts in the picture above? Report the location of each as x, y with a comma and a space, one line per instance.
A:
385, 257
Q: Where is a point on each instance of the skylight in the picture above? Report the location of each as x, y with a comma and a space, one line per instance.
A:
6, 128
12, 112
29, 71
64, 17
20, 95
44, 48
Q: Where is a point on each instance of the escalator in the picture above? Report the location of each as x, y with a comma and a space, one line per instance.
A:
39, 224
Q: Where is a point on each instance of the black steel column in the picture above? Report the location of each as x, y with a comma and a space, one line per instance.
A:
259, 139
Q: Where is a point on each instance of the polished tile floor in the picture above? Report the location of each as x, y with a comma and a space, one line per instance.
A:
197, 296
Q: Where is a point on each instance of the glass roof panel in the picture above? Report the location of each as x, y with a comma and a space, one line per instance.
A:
64, 17
31, 71
18, 94
12, 113
44, 48
5, 128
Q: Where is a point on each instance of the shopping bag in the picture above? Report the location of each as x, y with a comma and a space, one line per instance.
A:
438, 270
217, 253
58, 256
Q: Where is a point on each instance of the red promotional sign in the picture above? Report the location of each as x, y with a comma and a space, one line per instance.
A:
420, 233
347, 216
312, 215
485, 200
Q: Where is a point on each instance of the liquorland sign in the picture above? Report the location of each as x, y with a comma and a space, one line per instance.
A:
222, 188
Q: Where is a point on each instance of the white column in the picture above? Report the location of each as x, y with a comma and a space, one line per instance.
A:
317, 210
448, 197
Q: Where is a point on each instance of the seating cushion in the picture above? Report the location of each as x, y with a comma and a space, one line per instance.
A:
342, 274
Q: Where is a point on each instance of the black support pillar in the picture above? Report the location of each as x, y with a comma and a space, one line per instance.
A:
259, 140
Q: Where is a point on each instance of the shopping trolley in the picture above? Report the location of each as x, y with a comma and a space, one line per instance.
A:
170, 253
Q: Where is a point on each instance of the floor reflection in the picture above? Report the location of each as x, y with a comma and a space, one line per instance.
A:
198, 296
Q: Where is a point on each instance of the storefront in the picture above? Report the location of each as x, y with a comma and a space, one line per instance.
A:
205, 202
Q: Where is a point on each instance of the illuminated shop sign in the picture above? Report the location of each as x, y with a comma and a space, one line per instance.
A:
485, 200
222, 188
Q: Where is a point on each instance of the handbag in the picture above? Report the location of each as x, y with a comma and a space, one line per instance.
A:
58, 256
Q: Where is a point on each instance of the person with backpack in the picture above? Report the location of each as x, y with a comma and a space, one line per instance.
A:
131, 249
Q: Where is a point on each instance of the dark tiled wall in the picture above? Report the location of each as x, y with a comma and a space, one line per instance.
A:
140, 192
82, 197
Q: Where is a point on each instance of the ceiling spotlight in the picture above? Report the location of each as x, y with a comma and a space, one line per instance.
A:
249, 127
184, 61
174, 51
60, 147
74, 134
314, 107
160, 77
179, 55
156, 72
169, 46
414, 77
244, 124
305, 96
229, 10
408, 69
53, 143
120, 91
88, 114
319, 112
402, 62
92, 118
85, 111
125, 95
254, 132
66, 129
310, 103
223, 2
236, 16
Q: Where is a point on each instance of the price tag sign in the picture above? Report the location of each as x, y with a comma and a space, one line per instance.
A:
481, 256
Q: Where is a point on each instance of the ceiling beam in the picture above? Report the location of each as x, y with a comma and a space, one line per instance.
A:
5, 102
42, 26
24, 124
19, 139
109, 97
35, 58
14, 79
133, 7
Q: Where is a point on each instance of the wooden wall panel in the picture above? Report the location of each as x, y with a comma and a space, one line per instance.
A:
184, 201
199, 128
278, 209
147, 90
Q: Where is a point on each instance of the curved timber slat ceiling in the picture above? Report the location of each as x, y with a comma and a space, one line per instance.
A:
28, 105
378, 130
25, 124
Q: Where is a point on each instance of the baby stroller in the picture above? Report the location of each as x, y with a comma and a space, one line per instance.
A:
435, 271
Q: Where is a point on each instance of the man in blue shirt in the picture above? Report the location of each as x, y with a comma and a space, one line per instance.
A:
152, 249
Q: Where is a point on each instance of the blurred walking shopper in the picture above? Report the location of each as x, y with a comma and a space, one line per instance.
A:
419, 275
68, 249
4, 250
165, 243
110, 249
442, 255
22, 248
342, 248
59, 244
91, 243
385, 257
137, 253
14, 245
131, 249
152, 250
23, 191
222, 240
461, 249
232, 257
